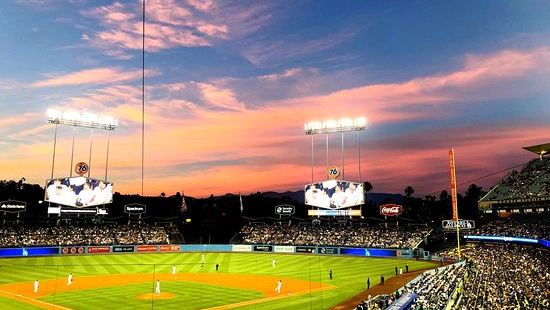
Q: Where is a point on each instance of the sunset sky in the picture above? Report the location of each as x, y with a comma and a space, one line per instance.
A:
230, 84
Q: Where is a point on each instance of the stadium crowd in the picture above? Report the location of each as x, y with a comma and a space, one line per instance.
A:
536, 226
434, 288
357, 236
491, 277
533, 181
506, 276
78, 234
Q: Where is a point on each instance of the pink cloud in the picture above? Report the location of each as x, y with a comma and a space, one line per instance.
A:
202, 5
220, 97
92, 76
169, 24
269, 147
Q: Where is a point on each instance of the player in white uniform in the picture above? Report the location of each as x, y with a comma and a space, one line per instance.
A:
339, 197
36, 286
273, 262
202, 257
86, 195
279, 286
157, 288
173, 269
103, 193
70, 279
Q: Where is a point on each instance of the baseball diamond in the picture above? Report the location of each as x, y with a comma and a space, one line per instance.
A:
243, 281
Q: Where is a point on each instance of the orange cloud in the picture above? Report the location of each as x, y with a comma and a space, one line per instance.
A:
234, 146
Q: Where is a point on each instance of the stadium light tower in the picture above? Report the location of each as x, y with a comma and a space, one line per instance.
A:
81, 119
334, 126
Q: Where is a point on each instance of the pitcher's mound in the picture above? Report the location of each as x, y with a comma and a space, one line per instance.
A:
149, 296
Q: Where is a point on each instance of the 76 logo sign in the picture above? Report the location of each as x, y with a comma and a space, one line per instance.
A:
81, 168
333, 172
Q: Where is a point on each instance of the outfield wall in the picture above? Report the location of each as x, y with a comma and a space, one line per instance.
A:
174, 248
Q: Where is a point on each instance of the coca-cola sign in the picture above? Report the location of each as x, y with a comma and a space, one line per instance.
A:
391, 209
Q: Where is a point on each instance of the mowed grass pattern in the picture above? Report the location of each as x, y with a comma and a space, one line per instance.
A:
349, 278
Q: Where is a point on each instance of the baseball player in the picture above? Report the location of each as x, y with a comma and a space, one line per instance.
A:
202, 257
173, 269
157, 288
273, 262
36, 286
279, 286
70, 279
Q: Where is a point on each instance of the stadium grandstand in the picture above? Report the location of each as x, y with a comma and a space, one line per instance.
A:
343, 234
71, 233
490, 276
527, 190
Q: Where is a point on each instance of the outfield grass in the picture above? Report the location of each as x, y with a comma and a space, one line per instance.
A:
349, 277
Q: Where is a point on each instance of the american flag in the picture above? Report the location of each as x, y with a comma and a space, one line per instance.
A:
241, 200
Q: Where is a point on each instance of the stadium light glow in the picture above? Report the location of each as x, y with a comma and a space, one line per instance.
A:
81, 119
332, 125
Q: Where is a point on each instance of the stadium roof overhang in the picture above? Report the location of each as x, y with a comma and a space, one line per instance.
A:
539, 149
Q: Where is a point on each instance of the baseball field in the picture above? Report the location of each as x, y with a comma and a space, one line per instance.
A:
243, 281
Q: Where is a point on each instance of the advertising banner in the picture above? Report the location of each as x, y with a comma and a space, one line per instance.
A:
462, 224
305, 249
72, 250
352, 251
54, 210
346, 212
146, 248
381, 252
79, 192
391, 209
284, 249
334, 194
99, 249
135, 208
13, 206
29, 251
241, 248
284, 209
72, 210
327, 250
169, 248
212, 248
263, 248
123, 248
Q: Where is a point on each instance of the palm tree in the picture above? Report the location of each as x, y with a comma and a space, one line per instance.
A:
408, 191
367, 186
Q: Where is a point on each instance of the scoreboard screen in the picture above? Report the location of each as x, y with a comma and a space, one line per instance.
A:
79, 192
334, 194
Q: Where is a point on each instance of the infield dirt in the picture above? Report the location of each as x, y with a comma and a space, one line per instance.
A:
23, 291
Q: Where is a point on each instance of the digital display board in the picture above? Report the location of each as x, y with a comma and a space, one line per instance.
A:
334, 194
334, 212
79, 192
29, 251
